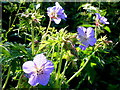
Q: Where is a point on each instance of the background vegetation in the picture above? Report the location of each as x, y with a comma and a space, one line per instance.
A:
101, 73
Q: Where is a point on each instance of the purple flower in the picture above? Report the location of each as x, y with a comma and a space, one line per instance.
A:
38, 70
56, 13
100, 19
86, 37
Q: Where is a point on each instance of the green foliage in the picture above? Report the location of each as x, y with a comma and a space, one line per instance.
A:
107, 28
25, 33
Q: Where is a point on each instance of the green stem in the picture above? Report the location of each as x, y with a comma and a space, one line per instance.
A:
30, 87
32, 32
78, 71
96, 32
50, 51
47, 29
96, 26
10, 28
8, 75
59, 67
48, 26
19, 80
99, 6
81, 81
65, 67
81, 68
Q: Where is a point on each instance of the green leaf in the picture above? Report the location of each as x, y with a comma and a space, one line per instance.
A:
87, 25
107, 29
5, 51
37, 6
93, 64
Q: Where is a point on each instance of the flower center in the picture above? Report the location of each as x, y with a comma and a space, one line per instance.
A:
97, 22
39, 71
53, 15
85, 37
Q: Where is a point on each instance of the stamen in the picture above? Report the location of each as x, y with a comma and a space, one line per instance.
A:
40, 70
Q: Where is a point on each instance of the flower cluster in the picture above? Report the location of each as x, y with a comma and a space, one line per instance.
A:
100, 19
86, 37
38, 70
56, 13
